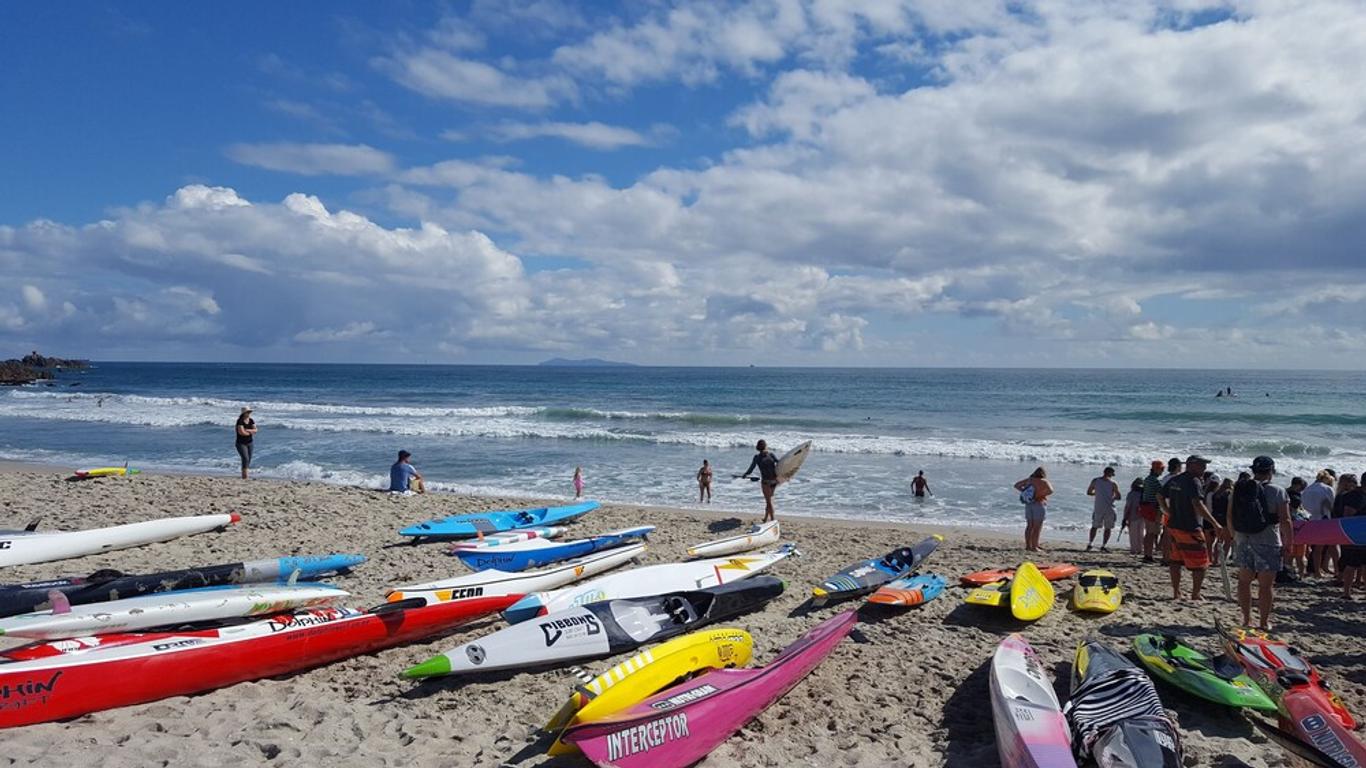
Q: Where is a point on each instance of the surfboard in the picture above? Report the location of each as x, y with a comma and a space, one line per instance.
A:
911, 590
758, 535
86, 474
792, 461
1337, 531
538, 552
867, 575
472, 525
1031, 595
1052, 572
493, 582
1031, 731
514, 536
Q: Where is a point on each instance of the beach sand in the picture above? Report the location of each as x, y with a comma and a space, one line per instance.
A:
909, 688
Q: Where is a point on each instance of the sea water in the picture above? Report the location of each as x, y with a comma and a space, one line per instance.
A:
640, 434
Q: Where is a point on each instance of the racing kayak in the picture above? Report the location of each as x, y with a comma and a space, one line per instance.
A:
647, 673
1031, 731
1116, 716
683, 724
646, 581
758, 535
508, 537
34, 546
101, 586
1051, 571
1097, 591
1220, 680
600, 629
537, 552
494, 582
867, 575
471, 525
163, 609
66, 678
910, 590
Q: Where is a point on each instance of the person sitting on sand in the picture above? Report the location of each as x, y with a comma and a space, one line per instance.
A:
768, 475
920, 486
704, 482
1034, 492
1262, 539
1106, 491
404, 477
1183, 505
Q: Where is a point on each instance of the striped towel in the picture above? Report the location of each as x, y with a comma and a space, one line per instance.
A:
1102, 702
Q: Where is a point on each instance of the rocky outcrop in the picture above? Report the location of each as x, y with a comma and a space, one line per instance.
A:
35, 367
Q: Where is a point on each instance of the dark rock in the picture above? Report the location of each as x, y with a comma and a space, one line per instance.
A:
34, 367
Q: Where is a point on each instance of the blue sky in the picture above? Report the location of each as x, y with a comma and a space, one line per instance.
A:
1175, 184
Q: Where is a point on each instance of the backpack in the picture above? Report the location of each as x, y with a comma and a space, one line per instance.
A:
1250, 513
1027, 494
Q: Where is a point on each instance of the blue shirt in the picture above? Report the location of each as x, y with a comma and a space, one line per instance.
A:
400, 475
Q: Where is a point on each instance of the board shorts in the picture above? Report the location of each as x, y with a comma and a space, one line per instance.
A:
1148, 511
1103, 518
1188, 549
1352, 557
1035, 512
1254, 555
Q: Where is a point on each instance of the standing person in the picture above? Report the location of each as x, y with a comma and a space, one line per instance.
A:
1262, 538
404, 477
1218, 507
1106, 491
1183, 502
578, 482
1317, 501
1034, 492
1148, 509
1133, 520
245, 431
704, 482
768, 475
1350, 503
920, 486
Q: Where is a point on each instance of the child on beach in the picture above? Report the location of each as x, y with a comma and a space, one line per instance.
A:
578, 482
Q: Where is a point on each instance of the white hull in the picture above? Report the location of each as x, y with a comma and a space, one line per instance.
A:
493, 583
757, 536
24, 547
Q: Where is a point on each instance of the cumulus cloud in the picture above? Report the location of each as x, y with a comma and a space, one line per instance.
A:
593, 135
314, 159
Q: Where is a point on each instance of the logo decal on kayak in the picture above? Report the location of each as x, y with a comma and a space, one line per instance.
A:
5, 544
643, 738
27, 692
582, 626
464, 593
176, 644
686, 697
1322, 736
476, 654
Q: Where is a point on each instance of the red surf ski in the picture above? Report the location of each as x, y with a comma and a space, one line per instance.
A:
1052, 572
67, 678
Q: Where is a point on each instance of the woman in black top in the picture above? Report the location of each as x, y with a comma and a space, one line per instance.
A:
1218, 507
245, 429
1350, 502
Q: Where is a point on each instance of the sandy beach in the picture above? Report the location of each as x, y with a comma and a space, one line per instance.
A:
909, 688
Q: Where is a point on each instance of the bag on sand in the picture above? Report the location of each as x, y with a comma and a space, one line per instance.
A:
1250, 513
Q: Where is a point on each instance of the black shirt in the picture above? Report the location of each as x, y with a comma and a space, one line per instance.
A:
249, 423
768, 467
1181, 492
1350, 504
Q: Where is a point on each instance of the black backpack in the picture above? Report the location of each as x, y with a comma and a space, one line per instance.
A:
1250, 513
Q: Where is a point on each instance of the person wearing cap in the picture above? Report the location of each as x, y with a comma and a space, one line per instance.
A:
1183, 503
1106, 492
1317, 501
245, 431
1148, 509
404, 477
1260, 554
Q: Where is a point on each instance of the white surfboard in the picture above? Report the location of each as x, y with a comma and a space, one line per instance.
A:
169, 609
792, 461
506, 538
649, 580
759, 535
23, 547
492, 583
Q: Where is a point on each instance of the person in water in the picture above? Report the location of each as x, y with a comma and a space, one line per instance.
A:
1183, 505
1106, 492
704, 482
767, 464
578, 482
1034, 492
245, 431
920, 486
404, 477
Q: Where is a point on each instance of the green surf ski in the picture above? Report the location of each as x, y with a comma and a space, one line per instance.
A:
1218, 680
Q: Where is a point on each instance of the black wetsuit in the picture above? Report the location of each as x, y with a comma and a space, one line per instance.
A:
768, 467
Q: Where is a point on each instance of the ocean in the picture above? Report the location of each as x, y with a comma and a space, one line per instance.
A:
640, 434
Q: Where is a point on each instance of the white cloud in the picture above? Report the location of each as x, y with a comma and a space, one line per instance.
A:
349, 332
34, 298
593, 134
440, 74
314, 159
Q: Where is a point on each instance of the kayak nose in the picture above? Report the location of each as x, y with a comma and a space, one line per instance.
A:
436, 666
528, 607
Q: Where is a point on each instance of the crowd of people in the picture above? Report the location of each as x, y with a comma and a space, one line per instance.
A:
1192, 518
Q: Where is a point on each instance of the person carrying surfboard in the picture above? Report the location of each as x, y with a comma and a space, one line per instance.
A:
768, 475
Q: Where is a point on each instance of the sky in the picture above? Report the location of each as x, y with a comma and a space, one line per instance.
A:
783, 182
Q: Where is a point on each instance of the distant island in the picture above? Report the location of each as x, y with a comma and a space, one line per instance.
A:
587, 362
34, 367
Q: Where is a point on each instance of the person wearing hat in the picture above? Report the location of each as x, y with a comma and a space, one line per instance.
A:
1148, 509
1262, 541
245, 430
1183, 503
404, 477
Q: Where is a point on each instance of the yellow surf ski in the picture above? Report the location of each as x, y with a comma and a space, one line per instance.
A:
647, 673
1098, 591
1031, 595
995, 594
